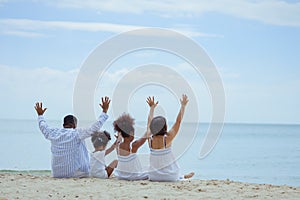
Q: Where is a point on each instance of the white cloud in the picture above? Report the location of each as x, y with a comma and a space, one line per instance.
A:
23, 34
276, 12
21, 88
137, 83
30, 28
27, 24
226, 74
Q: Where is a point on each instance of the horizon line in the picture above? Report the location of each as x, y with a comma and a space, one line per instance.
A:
202, 122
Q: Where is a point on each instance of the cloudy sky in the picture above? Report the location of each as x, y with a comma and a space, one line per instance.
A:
255, 46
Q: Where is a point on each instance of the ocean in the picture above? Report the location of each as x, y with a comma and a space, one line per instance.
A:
254, 153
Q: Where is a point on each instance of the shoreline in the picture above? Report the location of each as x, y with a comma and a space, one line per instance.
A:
28, 186
47, 173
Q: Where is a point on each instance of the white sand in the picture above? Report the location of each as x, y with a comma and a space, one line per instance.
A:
24, 186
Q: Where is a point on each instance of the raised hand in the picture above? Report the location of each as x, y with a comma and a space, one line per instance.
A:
184, 100
151, 102
39, 108
118, 139
152, 105
105, 103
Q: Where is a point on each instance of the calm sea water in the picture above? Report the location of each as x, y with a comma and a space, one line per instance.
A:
245, 152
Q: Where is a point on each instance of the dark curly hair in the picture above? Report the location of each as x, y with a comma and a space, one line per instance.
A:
124, 124
100, 138
158, 126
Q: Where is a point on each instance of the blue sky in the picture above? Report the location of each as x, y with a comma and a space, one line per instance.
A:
254, 44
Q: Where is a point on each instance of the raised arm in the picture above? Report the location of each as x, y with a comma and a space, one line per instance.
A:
138, 143
152, 106
85, 133
174, 130
48, 132
111, 148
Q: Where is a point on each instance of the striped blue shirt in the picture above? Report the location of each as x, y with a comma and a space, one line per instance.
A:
69, 152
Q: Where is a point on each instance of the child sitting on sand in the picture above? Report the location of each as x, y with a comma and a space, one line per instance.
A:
129, 166
163, 166
97, 163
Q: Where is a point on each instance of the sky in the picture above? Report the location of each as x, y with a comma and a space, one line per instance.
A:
254, 45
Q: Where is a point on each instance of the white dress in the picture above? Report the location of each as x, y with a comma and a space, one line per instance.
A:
97, 165
163, 165
130, 168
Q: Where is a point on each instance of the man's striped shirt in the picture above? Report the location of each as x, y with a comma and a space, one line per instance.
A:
69, 152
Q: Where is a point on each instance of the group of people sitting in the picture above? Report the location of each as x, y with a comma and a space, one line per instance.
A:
70, 157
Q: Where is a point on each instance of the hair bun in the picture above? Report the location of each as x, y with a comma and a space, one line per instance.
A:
107, 135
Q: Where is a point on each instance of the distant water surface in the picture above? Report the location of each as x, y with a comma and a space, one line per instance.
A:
254, 153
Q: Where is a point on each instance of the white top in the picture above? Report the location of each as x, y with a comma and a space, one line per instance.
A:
69, 152
130, 168
98, 165
163, 165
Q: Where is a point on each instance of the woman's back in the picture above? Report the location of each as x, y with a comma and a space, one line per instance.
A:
158, 142
124, 149
129, 166
163, 165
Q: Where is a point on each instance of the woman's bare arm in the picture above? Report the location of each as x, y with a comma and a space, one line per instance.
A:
174, 130
114, 145
138, 143
110, 149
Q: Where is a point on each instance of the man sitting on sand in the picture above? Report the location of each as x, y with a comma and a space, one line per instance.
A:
70, 157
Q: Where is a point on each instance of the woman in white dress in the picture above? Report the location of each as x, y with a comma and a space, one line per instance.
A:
163, 165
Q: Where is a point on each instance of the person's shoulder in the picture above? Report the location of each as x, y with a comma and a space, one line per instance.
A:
98, 154
68, 133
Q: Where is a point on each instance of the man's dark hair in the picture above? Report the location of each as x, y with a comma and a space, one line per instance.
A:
70, 120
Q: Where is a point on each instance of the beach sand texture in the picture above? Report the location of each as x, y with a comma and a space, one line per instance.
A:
24, 186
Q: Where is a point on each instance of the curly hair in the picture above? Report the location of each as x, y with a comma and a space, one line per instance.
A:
100, 138
124, 124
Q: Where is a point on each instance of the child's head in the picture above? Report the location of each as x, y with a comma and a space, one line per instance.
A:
100, 139
124, 124
158, 126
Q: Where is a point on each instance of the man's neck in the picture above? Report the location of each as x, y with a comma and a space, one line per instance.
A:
68, 126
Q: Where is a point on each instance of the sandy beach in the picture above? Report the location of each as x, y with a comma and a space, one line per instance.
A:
26, 186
